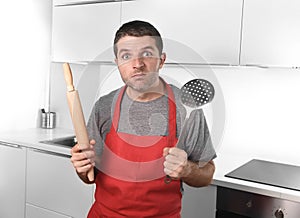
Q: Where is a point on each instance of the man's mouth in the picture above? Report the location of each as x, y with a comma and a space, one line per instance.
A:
137, 75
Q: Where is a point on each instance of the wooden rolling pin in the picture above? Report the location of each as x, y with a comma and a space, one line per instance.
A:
77, 114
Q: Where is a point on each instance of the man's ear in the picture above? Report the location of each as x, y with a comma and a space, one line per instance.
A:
162, 60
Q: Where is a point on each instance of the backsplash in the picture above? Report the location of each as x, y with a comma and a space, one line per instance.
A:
262, 112
261, 104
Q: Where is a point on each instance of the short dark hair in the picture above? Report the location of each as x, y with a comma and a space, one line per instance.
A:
138, 28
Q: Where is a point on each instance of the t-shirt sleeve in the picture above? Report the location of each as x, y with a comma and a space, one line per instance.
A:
93, 128
99, 122
197, 140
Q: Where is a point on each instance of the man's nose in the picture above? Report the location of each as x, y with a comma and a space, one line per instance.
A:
138, 62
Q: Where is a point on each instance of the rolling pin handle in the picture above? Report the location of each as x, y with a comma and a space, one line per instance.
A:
68, 77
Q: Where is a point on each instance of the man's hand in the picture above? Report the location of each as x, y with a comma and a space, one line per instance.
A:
176, 163
83, 160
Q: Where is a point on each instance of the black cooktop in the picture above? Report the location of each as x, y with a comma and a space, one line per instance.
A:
270, 173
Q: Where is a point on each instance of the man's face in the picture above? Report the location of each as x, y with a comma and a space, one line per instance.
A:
139, 61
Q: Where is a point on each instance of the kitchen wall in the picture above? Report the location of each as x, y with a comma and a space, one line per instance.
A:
261, 105
25, 61
262, 112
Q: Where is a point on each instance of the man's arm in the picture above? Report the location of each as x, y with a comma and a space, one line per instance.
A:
196, 176
178, 167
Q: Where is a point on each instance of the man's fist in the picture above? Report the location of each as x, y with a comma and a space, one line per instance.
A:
176, 163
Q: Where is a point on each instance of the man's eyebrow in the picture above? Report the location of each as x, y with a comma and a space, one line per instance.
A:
143, 48
148, 47
123, 50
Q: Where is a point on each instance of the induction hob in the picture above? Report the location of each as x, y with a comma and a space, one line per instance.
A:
270, 173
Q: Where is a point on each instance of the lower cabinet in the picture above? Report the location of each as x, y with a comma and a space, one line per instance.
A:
54, 188
199, 202
37, 212
12, 180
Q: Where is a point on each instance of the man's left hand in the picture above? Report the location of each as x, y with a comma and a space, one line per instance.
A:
176, 163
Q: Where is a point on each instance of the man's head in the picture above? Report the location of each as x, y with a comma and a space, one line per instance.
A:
138, 29
139, 56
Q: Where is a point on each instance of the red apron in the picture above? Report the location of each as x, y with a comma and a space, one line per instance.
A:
130, 182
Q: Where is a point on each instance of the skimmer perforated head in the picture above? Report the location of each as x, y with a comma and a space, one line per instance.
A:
197, 92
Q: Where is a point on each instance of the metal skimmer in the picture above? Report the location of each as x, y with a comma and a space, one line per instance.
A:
197, 92
194, 94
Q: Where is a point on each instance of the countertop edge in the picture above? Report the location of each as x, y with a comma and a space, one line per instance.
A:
31, 138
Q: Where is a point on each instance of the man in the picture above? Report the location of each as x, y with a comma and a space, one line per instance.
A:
139, 168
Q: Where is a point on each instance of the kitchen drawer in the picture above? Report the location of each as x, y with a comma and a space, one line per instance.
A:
53, 184
12, 180
37, 212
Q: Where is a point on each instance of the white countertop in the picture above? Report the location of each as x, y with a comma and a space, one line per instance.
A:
225, 163
31, 138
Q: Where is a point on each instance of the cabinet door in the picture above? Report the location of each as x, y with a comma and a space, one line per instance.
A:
53, 184
199, 202
271, 33
195, 31
37, 212
77, 2
85, 32
12, 180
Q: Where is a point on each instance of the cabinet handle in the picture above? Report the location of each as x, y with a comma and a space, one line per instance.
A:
12, 145
88, 2
51, 153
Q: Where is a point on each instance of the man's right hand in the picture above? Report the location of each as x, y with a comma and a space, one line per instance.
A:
83, 160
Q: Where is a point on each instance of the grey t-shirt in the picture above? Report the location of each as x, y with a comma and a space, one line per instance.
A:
151, 118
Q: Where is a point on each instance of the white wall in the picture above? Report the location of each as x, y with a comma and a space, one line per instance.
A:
262, 112
25, 61
262, 106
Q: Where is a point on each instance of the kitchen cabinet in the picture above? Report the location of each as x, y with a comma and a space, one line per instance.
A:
84, 32
77, 2
53, 184
37, 212
271, 33
194, 31
12, 180
199, 202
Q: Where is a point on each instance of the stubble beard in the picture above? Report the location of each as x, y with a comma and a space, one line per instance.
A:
143, 84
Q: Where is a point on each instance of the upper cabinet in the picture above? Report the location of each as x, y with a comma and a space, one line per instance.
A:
271, 33
231, 32
197, 31
79, 2
194, 31
84, 32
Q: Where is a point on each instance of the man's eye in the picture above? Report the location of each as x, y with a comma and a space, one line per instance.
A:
147, 54
125, 56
